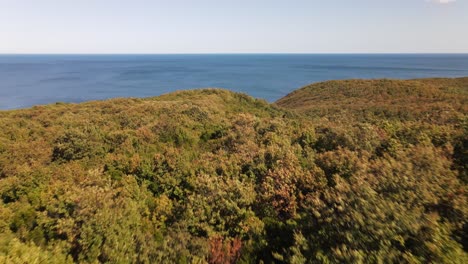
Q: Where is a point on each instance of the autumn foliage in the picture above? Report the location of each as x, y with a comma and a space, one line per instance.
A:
358, 171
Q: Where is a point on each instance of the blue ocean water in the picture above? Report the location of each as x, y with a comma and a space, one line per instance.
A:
27, 80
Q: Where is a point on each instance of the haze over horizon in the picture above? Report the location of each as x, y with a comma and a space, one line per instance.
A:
208, 26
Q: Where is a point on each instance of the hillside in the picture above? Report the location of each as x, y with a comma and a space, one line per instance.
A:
337, 172
440, 100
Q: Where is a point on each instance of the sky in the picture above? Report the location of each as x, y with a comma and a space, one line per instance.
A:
233, 26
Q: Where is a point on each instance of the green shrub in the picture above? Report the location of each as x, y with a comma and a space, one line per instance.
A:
72, 145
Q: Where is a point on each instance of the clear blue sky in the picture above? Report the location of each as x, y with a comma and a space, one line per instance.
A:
233, 26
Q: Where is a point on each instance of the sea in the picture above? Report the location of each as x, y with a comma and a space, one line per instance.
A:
28, 80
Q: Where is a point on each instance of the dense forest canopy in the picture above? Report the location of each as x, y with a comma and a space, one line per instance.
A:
358, 171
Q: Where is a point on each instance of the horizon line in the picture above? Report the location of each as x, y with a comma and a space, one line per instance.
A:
252, 53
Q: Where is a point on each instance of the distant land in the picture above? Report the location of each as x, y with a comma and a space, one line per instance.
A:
344, 171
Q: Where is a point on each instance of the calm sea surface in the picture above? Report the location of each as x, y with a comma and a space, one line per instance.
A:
27, 80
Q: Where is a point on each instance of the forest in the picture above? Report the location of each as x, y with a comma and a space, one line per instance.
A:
351, 171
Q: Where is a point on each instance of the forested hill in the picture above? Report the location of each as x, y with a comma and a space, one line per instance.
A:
434, 100
358, 171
